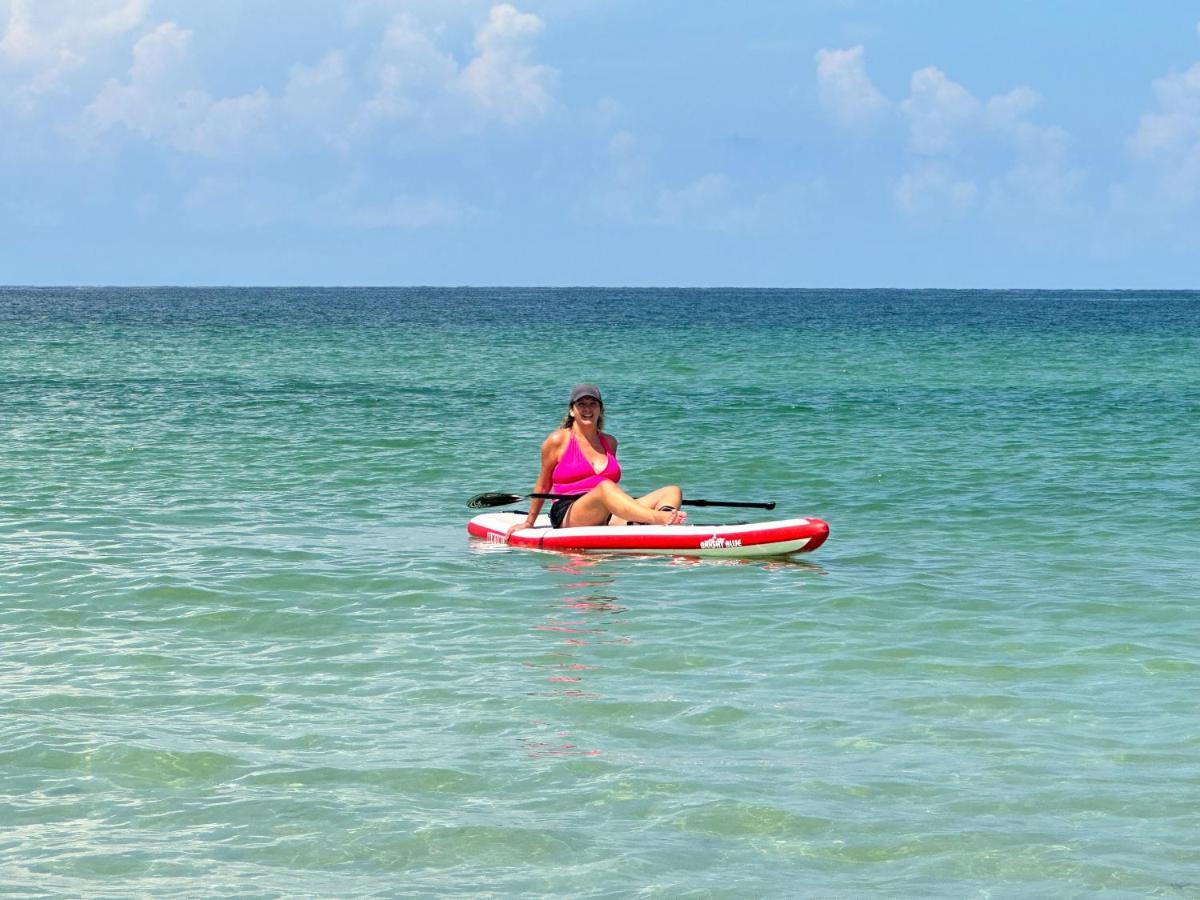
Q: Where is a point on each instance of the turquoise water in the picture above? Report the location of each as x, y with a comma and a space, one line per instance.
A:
248, 649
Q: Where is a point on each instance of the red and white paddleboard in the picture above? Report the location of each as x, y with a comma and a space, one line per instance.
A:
737, 541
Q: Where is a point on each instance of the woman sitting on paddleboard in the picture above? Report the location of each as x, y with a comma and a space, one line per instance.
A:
581, 460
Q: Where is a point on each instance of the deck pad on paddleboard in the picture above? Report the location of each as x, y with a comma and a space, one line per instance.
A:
776, 538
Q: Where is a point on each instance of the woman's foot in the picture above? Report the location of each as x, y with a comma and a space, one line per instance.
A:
678, 516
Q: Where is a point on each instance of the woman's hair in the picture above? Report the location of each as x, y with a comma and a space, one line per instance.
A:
569, 420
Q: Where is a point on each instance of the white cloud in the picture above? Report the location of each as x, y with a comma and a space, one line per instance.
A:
695, 201
846, 89
1007, 109
318, 99
629, 192
411, 74
394, 79
961, 151
933, 189
46, 41
157, 103
427, 74
227, 126
410, 79
417, 82
717, 202
1168, 138
940, 113
501, 79
1175, 125
147, 100
49, 30
621, 193
1042, 171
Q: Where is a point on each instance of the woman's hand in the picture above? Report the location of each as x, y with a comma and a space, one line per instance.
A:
508, 534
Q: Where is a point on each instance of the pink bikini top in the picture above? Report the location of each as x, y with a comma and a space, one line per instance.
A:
574, 473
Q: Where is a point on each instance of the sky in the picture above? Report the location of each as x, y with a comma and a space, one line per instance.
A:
761, 143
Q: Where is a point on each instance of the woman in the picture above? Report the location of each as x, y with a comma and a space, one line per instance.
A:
581, 460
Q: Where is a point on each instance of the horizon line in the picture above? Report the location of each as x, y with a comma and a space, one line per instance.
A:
604, 287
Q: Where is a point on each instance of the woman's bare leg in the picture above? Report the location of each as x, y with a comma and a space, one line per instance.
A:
606, 499
671, 496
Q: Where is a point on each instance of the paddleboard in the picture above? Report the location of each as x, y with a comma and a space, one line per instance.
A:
734, 541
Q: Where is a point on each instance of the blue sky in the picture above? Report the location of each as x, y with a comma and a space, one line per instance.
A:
814, 143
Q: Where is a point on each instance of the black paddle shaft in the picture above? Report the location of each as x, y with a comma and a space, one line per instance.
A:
482, 501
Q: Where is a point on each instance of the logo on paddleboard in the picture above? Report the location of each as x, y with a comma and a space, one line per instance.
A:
718, 543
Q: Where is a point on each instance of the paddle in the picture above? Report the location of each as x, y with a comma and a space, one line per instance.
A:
483, 501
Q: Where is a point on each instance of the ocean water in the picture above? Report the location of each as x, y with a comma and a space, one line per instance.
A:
247, 649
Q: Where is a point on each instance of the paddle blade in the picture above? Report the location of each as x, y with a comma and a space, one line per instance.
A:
484, 501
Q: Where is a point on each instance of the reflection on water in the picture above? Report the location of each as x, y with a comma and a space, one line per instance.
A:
554, 745
583, 622
580, 620
766, 563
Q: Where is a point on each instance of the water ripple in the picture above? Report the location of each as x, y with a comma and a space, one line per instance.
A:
249, 650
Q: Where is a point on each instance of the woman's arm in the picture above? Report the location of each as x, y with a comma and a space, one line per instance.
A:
551, 451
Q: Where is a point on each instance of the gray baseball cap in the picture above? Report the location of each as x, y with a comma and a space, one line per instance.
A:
585, 390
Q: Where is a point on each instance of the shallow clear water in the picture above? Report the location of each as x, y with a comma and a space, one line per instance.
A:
248, 648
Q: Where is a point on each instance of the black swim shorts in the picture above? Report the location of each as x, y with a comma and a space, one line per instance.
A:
558, 510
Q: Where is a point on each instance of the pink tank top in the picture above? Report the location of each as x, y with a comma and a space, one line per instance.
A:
574, 474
